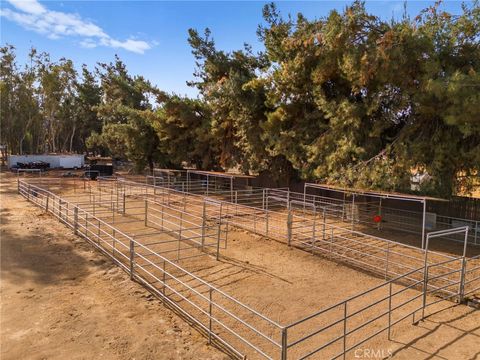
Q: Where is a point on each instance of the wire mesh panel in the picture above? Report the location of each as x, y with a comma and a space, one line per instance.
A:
383, 211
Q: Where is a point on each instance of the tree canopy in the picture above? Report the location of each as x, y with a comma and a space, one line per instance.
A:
349, 99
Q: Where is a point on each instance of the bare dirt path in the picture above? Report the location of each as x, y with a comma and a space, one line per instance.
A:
62, 300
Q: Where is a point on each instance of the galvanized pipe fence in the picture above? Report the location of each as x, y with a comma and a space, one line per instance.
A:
349, 209
216, 313
306, 225
240, 329
400, 219
373, 254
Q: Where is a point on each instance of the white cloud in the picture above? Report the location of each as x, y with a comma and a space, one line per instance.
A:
32, 15
130, 44
29, 6
88, 43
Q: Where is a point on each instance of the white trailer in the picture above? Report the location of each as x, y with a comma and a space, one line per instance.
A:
55, 161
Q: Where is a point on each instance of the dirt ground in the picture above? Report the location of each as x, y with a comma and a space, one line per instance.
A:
90, 309
452, 334
62, 300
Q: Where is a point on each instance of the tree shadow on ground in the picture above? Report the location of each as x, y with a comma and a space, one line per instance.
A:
37, 256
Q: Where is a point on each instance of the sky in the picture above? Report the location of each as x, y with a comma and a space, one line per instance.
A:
151, 36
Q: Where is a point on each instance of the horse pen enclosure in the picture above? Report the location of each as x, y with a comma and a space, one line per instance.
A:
261, 299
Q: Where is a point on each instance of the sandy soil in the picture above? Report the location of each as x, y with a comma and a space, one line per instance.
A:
347, 248
84, 303
452, 334
61, 300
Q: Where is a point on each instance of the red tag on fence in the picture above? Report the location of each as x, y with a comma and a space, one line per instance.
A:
377, 218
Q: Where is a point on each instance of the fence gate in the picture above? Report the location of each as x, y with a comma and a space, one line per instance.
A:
445, 279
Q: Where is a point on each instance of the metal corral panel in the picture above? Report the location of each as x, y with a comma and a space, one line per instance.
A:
55, 161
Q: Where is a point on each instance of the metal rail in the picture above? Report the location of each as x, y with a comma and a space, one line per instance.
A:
224, 319
169, 280
311, 233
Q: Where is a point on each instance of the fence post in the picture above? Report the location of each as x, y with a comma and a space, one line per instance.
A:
425, 289
390, 312
353, 212
324, 223
179, 235
461, 290
203, 225
226, 234
477, 229
161, 213
331, 240
46, 205
387, 256
266, 222
344, 329
423, 222
284, 344
75, 219
132, 255
18, 184
118, 195
263, 199
289, 228
210, 315
219, 230
313, 231
146, 212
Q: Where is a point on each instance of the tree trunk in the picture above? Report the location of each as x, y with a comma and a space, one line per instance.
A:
150, 163
52, 135
71, 137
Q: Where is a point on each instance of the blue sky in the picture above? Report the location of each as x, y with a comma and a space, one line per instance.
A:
151, 36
